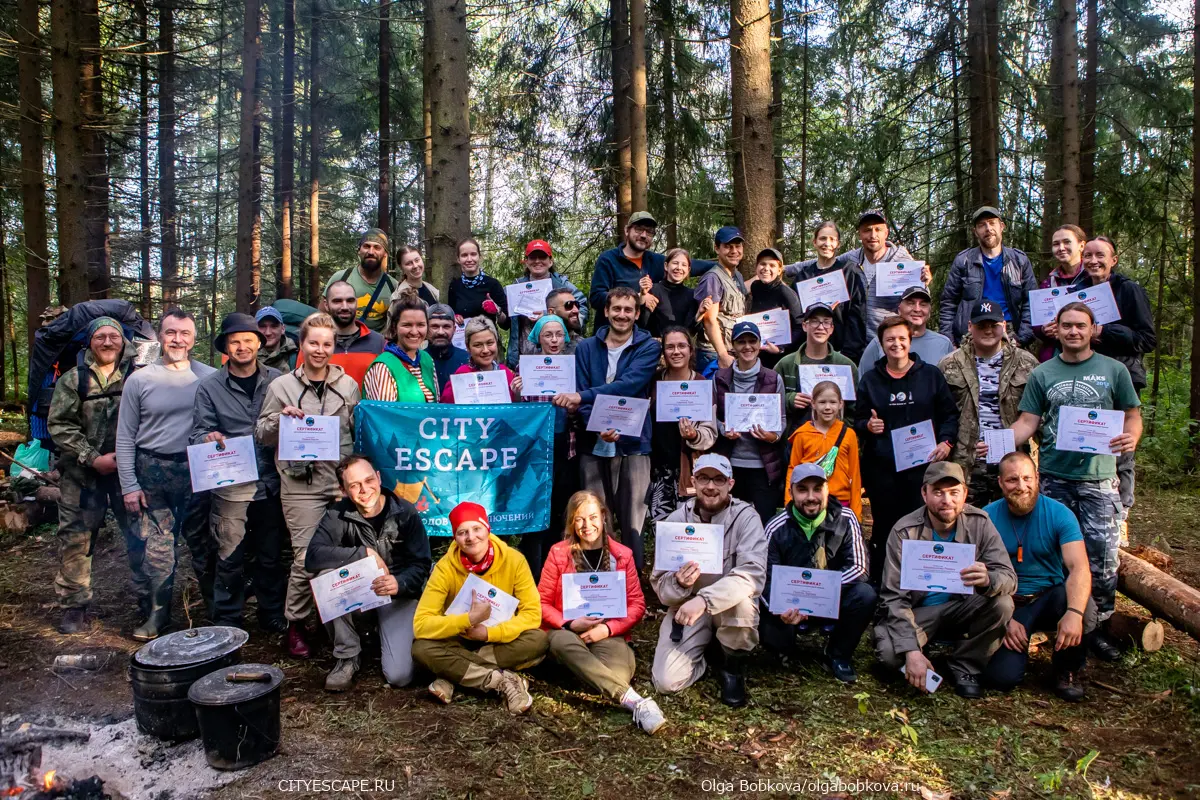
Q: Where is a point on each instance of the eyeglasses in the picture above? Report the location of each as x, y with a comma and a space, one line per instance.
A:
823, 322
570, 305
705, 480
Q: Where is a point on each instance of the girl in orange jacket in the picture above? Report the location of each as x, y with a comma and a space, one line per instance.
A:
815, 441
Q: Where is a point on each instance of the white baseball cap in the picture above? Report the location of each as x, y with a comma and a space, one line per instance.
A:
713, 461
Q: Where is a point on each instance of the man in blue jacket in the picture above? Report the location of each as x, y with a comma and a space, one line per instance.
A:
619, 360
990, 271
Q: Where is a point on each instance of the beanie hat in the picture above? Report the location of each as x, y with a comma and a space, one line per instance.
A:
469, 512
104, 322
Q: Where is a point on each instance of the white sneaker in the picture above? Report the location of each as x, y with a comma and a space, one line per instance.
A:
515, 691
648, 716
443, 690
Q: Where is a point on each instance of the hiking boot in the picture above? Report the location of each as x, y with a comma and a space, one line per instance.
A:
648, 716
155, 625
840, 668
1104, 648
513, 689
733, 679
74, 620
297, 644
341, 677
274, 625
443, 690
1069, 687
967, 686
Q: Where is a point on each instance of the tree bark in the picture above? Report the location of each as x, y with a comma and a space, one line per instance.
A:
287, 161
96, 152
1194, 381
639, 159
622, 67
983, 65
67, 64
1053, 169
383, 220
217, 196
1159, 593
670, 188
450, 135
806, 104
33, 177
314, 156
777, 13
959, 229
248, 265
1087, 154
168, 210
1068, 32
147, 305
751, 140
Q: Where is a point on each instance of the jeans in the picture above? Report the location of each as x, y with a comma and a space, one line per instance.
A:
751, 484
1097, 506
855, 611
1006, 670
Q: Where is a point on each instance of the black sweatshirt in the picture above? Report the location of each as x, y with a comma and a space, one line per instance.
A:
777, 294
676, 306
920, 395
467, 301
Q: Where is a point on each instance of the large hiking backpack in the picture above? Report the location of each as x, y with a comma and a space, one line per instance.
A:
294, 313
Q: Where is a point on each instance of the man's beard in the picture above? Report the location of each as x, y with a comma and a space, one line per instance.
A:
344, 320
711, 504
370, 263
804, 512
439, 341
945, 517
1023, 503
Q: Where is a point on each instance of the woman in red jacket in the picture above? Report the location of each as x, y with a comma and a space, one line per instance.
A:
595, 648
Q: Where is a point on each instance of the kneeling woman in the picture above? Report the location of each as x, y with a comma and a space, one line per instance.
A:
596, 650
462, 648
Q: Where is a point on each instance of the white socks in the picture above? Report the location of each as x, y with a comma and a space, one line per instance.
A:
630, 699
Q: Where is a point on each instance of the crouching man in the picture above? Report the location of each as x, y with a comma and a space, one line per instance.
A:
700, 605
371, 522
974, 622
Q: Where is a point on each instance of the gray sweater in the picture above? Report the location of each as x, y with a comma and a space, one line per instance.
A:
745, 451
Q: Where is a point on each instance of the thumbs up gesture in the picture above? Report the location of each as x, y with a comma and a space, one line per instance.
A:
875, 424
489, 306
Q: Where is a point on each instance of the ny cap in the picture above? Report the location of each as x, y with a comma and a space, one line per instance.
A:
986, 311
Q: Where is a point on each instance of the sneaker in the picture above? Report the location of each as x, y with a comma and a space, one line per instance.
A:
74, 620
841, 669
1069, 687
341, 677
443, 690
648, 716
967, 686
514, 690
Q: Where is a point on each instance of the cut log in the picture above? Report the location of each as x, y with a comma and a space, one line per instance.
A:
1126, 630
1161, 595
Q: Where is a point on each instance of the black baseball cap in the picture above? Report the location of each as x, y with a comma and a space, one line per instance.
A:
917, 291
986, 311
872, 216
983, 212
817, 308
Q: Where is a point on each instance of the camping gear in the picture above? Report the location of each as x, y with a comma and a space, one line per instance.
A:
238, 712
294, 313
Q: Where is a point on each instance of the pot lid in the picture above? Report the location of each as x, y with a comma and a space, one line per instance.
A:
195, 646
237, 684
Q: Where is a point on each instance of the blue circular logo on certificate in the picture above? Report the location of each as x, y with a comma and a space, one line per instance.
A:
529, 286
766, 317
479, 377
806, 575
899, 268
593, 578
621, 402
309, 421
820, 281
937, 548
1054, 292
689, 530
1092, 415
912, 431
1082, 295
825, 370
753, 399
343, 573
491, 592
683, 386
547, 360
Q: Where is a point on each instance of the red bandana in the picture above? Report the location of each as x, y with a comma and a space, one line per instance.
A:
483, 566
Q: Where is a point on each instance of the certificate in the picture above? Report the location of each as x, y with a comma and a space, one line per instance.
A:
934, 566
744, 411
345, 589
504, 605
599, 595
829, 288
546, 375
213, 465
775, 325
1087, 430
814, 592
1043, 304
676, 400
913, 444
310, 438
625, 415
893, 277
528, 297
676, 543
842, 375
459, 338
1098, 298
1000, 443
480, 388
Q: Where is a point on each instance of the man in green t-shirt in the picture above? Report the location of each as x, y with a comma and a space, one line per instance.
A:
373, 298
1085, 482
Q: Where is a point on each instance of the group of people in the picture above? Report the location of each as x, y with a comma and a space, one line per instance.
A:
1045, 531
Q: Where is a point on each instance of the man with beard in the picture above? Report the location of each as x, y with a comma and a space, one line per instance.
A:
446, 357
279, 351
563, 303
916, 305
354, 346
991, 271
876, 247
974, 622
372, 285
1042, 538
701, 606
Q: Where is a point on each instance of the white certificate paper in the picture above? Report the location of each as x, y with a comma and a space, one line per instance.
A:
1087, 430
480, 388
913, 444
1043, 304
676, 543
774, 325
459, 338
546, 375
528, 297
1000, 443
676, 400
625, 415
504, 605
829, 288
842, 375
813, 592
934, 566
893, 277
744, 411
310, 438
1098, 298
214, 466
346, 589
598, 595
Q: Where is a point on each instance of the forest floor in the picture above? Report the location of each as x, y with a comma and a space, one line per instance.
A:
1136, 735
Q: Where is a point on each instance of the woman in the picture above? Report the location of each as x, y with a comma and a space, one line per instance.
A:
672, 444
539, 265
476, 293
769, 292
483, 342
830, 442
319, 388
1066, 244
413, 267
670, 302
404, 372
462, 648
850, 317
596, 650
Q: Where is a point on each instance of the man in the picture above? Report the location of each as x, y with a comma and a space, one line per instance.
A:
699, 606
373, 287
446, 357
152, 440
539, 265
246, 519
355, 345
631, 264
279, 351
815, 531
723, 298
83, 425
371, 522
992, 272
1042, 538
873, 236
915, 306
1086, 483
974, 622
818, 323
987, 377
564, 304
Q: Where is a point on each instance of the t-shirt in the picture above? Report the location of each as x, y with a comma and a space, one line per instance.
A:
1097, 382
1040, 535
939, 598
988, 370
248, 383
373, 317
931, 346
377, 522
993, 285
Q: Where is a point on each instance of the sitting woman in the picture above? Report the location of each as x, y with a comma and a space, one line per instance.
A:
403, 372
596, 650
469, 648
483, 342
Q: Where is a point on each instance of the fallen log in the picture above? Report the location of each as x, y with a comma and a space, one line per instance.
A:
1127, 629
1161, 595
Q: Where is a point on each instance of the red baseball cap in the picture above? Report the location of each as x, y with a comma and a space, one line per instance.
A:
468, 512
539, 244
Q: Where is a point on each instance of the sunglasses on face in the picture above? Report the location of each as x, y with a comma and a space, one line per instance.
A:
571, 304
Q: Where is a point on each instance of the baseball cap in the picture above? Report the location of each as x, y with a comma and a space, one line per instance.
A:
916, 291
642, 218
986, 311
715, 462
817, 308
944, 471
740, 329
268, 312
983, 212
873, 216
539, 245
727, 234
771, 252
803, 471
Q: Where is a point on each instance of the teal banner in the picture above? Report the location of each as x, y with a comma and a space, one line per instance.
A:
437, 456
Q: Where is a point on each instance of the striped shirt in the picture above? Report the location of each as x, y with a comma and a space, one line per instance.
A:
378, 383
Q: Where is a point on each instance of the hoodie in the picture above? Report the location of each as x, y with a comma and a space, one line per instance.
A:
922, 394
1131, 337
635, 378
850, 318
613, 268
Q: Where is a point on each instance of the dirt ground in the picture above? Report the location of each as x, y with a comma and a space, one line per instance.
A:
803, 734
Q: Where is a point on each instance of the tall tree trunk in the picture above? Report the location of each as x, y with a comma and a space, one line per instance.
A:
314, 156
1162, 276
1068, 32
983, 66
1194, 404
752, 149
1087, 154
248, 266
67, 63
5, 309
1053, 171
450, 127
670, 126
217, 196
270, 89
806, 104
147, 304
96, 151
33, 177
960, 195
287, 161
639, 159
168, 210
427, 134
385, 95
777, 68
622, 67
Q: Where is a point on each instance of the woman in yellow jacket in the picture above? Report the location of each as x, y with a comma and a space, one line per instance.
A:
463, 648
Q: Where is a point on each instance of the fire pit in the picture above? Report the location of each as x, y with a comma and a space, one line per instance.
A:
55, 788
21, 767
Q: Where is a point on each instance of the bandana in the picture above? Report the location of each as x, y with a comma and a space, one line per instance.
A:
543, 321
472, 283
483, 566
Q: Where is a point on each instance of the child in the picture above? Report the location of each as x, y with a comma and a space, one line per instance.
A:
827, 440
